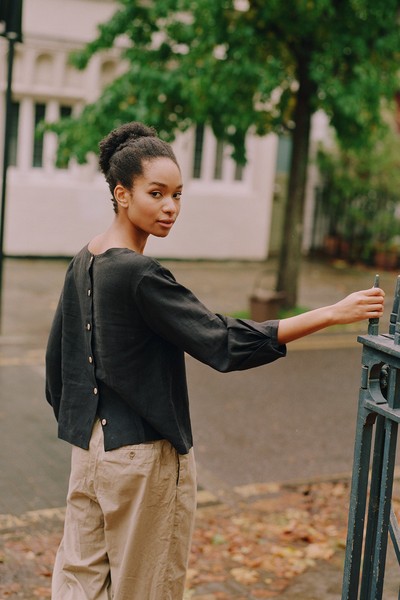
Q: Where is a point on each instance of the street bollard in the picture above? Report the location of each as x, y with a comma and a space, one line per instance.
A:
373, 469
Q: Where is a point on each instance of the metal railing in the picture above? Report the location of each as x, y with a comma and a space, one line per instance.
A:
376, 438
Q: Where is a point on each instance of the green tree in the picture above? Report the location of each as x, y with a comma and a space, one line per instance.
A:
247, 65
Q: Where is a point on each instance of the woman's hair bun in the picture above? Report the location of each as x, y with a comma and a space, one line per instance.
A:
119, 138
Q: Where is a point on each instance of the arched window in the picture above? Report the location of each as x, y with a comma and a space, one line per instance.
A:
43, 73
14, 127
38, 139
73, 77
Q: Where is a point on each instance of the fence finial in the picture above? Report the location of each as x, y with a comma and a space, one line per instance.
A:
395, 309
397, 328
373, 326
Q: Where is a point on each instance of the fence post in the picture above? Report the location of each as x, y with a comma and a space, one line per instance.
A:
379, 414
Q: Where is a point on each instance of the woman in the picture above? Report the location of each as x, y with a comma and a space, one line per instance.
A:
116, 382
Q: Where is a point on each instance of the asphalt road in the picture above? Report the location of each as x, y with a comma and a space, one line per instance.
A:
291, 420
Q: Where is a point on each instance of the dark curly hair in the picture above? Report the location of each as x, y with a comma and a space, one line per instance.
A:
123, 151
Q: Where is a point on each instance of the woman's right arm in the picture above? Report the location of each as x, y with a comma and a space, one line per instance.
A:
365, 304
226, 344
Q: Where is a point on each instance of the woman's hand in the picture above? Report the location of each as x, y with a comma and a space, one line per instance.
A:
366, 304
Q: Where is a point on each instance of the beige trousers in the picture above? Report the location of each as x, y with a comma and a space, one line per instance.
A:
128, 523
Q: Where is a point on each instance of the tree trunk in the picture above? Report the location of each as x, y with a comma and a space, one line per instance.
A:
290, 251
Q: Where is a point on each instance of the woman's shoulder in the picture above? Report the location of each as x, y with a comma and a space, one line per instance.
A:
134, 260
130, 262
113, 257
122, 263
149, 267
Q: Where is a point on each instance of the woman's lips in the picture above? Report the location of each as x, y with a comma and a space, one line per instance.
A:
166, 223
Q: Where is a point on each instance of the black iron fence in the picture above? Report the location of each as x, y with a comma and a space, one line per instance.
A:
376, 438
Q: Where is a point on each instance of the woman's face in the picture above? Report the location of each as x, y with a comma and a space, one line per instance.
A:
153, 204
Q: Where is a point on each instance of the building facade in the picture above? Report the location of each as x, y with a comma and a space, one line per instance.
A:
228, 212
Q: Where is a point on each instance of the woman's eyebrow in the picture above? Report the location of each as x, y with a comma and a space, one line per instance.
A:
164, 185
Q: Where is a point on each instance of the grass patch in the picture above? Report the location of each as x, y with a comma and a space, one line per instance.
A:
284, 313
241, 314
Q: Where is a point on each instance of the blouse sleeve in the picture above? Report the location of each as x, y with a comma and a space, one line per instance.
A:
224, 343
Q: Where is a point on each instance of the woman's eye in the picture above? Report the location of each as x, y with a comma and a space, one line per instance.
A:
178, 195
156, 194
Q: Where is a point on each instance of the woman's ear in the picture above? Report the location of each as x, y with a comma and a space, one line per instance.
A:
121, 195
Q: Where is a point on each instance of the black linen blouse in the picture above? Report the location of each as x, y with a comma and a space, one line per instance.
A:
116, 350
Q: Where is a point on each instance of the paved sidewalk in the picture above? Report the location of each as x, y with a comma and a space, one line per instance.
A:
267, 541
281, 540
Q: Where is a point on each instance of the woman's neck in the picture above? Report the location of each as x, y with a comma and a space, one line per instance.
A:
118, 235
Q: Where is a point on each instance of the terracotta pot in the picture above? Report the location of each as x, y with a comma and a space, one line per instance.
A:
264, 305
386, 259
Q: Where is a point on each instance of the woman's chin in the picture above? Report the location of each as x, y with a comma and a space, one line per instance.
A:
161, 234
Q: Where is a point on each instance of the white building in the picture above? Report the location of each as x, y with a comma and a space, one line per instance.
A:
227, 212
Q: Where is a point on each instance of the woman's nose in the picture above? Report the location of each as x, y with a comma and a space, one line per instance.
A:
169, 205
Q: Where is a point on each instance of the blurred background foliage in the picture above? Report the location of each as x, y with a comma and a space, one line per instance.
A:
361, 200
